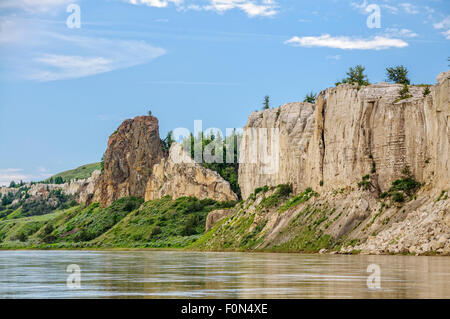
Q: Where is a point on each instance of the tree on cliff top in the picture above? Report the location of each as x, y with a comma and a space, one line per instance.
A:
398, 74
311, 98
266, 103
356, 76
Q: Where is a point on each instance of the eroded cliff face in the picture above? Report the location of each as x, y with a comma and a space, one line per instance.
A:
350, 133
132, 151
178, 176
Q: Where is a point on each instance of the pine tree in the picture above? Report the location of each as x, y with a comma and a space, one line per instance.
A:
266, 104
398, 74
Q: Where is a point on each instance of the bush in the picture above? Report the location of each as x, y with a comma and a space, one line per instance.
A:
403, 93
398, 197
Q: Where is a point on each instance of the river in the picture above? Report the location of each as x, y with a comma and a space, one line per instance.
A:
179, 274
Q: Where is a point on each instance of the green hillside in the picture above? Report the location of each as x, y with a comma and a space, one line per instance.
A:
128, 222
81, 172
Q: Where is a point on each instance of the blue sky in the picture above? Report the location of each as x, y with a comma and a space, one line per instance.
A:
63, 90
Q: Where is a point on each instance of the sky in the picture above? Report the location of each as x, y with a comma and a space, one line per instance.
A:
71, 71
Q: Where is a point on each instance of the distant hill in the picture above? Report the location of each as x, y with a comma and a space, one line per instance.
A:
81, 172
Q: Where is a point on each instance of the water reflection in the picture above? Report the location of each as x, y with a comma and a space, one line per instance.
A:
158, 274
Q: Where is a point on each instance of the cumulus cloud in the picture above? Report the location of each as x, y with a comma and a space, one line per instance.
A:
347, 43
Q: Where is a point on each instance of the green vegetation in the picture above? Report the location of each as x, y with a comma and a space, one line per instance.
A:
167, 142
365, 183
403, 93
441, 196
356, 76
228, 167
19, 204
81, 172
299, 199
128, 222
310, 98
282, 192
266, 103
405, 186
426, 91
398, 74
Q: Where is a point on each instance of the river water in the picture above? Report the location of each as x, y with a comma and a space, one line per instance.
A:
175, 274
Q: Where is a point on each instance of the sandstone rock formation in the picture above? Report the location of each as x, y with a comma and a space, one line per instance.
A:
348, 133
178, 175
132, 151
351, 132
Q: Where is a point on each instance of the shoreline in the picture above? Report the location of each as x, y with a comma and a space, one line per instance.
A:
219, 251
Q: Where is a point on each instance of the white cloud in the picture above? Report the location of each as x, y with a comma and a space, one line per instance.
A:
101, 55
156, 3
253, 8
391, 9
333, 57
447, 34
444, 24
34, 5
347, 43
409, 8
12, 174
402, 33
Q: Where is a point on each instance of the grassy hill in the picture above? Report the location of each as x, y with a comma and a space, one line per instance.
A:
128, 222
81, 172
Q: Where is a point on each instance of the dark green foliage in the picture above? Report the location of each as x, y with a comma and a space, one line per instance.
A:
261, 189
12, 184
282, 192
299, 199
102, 163
356, 76
311, 98
266, 104
228, 171
398, 74
7, 199
426, 91
164, 222
93, 221
403, 93
405, 186
365, 183
59, 180
167, 142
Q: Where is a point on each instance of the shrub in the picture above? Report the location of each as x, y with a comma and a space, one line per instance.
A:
365, 182
426, 91
403, 93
